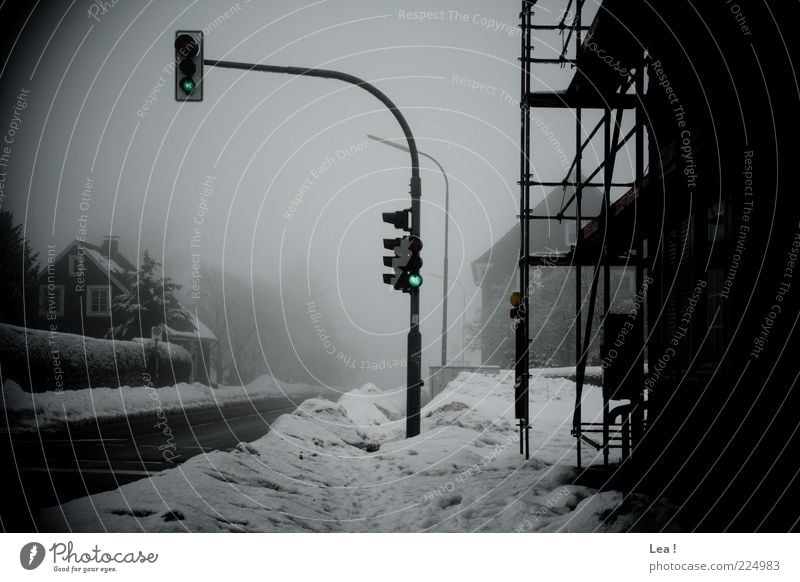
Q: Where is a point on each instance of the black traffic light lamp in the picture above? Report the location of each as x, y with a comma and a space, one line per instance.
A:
400, 219
406, 261
411, 278
393, 244
189, 65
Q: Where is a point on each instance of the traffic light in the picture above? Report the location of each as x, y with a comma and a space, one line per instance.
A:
411, 278
406, 263
400, 219
189, 65
516, 301
393, 244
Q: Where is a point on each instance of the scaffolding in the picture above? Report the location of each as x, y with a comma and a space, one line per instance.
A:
595, 86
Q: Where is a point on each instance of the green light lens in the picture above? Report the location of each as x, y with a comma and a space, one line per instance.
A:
187, 85
415, 280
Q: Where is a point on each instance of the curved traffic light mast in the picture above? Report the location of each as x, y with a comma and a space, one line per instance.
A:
414, 372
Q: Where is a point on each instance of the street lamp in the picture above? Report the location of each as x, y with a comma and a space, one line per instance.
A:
414, 344
445, 278
463, 305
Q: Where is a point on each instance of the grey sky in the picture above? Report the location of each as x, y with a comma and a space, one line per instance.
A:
295, 182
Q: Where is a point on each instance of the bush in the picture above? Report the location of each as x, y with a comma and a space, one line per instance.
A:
55, 361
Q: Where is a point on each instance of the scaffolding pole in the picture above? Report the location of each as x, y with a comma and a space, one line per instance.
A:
583, 93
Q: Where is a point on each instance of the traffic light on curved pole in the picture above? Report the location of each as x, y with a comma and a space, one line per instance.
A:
406, 262
189, 65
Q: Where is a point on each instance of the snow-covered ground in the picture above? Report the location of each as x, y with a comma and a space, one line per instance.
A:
345, 466
46, 410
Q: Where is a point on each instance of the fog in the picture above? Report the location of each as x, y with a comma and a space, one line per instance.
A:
271, 181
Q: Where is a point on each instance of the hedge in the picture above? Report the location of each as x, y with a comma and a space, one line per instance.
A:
64, 361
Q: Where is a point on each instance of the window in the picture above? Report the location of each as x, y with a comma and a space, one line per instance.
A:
97, 300
51, 301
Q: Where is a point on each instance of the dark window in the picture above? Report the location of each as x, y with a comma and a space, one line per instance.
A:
97, 301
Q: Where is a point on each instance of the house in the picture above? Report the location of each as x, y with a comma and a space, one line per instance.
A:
75, 291
552, 296
714, 223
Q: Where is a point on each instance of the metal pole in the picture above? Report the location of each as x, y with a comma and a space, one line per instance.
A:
414, 375
463, 303
577, 420
522, 331
155, 358
446, 279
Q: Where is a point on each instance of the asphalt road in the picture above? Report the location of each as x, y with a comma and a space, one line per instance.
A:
56, 466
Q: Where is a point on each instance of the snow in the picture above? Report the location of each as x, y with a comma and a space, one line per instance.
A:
106, 264
345, 466
47, 410
56, 360
201, 331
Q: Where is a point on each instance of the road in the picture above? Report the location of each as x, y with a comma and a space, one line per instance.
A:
57, 466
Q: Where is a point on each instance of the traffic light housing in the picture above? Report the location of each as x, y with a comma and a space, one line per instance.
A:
411, 278
406, 263
189, 65
400, 219
393, 244
516, 301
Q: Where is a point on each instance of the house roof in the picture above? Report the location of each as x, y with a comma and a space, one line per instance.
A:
200, 332
119, 268
122, 272
508, 244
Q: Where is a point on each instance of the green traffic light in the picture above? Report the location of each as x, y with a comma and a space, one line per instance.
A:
415, 280
187, 85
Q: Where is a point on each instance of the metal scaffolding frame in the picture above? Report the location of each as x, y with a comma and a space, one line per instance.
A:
591, 88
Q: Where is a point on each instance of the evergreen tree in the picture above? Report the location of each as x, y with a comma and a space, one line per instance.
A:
149, 301
18, 269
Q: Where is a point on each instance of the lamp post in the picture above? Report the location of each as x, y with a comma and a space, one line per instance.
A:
414, 354
463, 304
445, 278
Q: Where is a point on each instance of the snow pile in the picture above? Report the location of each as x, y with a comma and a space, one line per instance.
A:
46, 410
345, 466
